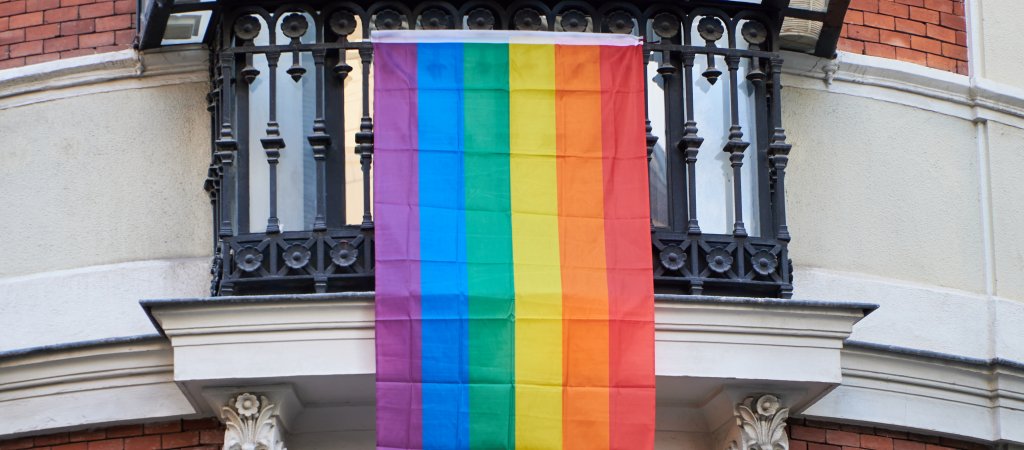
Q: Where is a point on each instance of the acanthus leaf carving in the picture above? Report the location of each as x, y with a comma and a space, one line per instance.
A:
251, 424
762, 422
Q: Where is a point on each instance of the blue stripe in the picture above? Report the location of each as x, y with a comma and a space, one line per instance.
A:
445, 329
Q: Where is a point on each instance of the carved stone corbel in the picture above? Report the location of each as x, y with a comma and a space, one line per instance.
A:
762, 423
252, 424
830, 70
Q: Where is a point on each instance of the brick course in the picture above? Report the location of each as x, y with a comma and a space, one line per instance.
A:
200, 434
816, 435
927, 32
35, 31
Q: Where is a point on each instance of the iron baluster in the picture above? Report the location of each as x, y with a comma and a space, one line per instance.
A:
226, 145
735, 147
364, 138
666, 27
320, 141
246, 29
691, 144
273, 143
778, 151
342, 23
651, 139
675, 173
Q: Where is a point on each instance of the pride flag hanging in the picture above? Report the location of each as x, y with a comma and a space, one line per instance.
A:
515, 302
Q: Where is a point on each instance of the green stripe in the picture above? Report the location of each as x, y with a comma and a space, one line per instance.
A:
489, 247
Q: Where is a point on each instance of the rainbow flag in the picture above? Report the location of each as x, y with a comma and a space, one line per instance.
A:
515, 302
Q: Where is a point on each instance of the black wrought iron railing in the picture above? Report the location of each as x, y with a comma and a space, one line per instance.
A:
713, 104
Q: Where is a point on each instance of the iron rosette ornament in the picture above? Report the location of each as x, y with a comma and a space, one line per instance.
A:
435, 19
480, 19
710, 28
719, 260
344, 254
764, 262
248, 259
296, 256
673, 257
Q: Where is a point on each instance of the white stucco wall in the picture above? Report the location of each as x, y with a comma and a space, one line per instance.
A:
904, 189
105, 178
94, 302
883, 189
101, 194
1006, 153
997, 39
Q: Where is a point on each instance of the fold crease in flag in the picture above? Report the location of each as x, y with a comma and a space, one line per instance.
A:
515, 304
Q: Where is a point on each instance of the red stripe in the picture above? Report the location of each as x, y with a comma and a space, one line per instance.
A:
627, 224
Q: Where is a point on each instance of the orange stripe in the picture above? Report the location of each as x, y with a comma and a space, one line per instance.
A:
627, 214
581, 236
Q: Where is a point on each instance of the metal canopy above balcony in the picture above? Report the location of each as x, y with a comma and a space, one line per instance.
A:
810, 26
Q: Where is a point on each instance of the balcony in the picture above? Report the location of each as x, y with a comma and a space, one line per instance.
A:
290, 179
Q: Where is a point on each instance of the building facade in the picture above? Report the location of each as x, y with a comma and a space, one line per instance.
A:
842, 274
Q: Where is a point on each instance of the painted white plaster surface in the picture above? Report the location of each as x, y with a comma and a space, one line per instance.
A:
1008, 330
882, 189
921, 316
89, 386
1006, 154
932, 395
909, 315
105, 178
1000, 39
92, 303
901, 199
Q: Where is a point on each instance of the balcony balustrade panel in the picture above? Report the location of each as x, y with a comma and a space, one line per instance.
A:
290, 178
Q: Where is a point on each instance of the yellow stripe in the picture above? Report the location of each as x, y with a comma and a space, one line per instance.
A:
538, 304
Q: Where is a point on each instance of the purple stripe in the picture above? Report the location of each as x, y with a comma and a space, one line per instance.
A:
399, 394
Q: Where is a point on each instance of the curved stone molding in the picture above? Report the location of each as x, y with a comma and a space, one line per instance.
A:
115, 380
103, 72
962, 398
762, 422
252, 424
908, 84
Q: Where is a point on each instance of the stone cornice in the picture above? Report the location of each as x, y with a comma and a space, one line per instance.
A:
114, 380
102, 72
934, 393
969, 98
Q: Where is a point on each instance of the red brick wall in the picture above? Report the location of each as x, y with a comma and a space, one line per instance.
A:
201, 434
35, 31
814, 435
931, 33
